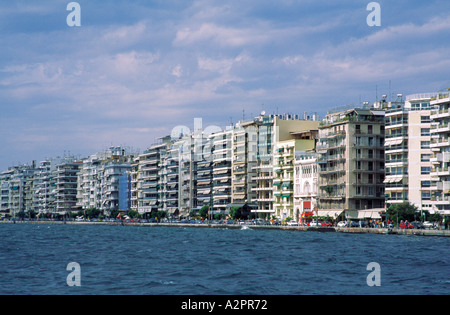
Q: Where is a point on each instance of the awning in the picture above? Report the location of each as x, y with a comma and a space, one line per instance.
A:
370, 213
330, 213
306, 205
393, 180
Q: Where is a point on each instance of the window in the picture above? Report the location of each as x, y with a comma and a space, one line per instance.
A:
425, 183
425, 157
426, 195
425, 131
369, 129
424, 144
425, 119
425, 170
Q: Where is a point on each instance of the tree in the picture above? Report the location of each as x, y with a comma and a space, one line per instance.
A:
235, 212
402, 211
93, 212
133, 214
204, 211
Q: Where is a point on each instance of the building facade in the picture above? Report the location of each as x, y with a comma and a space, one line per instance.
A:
351, 159
440, 146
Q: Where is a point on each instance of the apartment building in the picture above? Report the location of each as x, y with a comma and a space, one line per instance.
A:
103, 181
253, 158
16, 189
283, 175
351, 159
408, 151
146, 190
440, 145
66, 175
222, 170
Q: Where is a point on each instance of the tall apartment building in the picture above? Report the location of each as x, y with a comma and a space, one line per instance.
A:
44, 186
103, 181
16, 189
351, 174
253, 158
222, 170
146, 189
440, 145
66, 175
283, 176
408, 151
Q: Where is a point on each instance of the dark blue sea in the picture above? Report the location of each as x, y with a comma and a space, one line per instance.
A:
204, 261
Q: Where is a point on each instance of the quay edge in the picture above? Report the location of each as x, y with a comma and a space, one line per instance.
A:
355, 230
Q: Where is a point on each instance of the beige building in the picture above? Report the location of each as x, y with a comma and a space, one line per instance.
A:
408, 152
283, 175
351, 159
253, 164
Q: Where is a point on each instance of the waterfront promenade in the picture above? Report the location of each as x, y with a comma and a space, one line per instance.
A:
355, 230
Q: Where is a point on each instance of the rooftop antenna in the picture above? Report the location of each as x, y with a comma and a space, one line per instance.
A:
376, 93
389, 90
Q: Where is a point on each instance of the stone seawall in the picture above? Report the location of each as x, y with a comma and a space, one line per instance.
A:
255, 227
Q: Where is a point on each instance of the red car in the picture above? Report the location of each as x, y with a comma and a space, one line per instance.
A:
404, 225
326, 223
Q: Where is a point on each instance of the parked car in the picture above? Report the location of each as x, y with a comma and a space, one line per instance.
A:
326, 223
314, 223
429, 225
342, 224
406, 225
417, 225
292, 223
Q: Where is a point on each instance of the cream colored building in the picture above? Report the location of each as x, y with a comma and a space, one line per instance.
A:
283, 175
351, 159
408, 152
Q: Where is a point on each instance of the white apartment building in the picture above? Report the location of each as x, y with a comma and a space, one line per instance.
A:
440, 145
103, 181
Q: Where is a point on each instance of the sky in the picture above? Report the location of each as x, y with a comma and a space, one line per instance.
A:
135, 69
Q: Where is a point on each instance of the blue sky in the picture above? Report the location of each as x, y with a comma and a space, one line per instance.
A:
135, 69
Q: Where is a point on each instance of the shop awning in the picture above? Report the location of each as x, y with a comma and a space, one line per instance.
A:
330, 213
370, 213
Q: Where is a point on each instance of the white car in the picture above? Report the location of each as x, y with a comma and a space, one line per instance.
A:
292, 223
429, 225
342, 224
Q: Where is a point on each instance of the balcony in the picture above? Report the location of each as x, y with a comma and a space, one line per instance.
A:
440, 128
441, 113
440, 142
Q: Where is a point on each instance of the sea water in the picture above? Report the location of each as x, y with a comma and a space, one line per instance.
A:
207, 261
